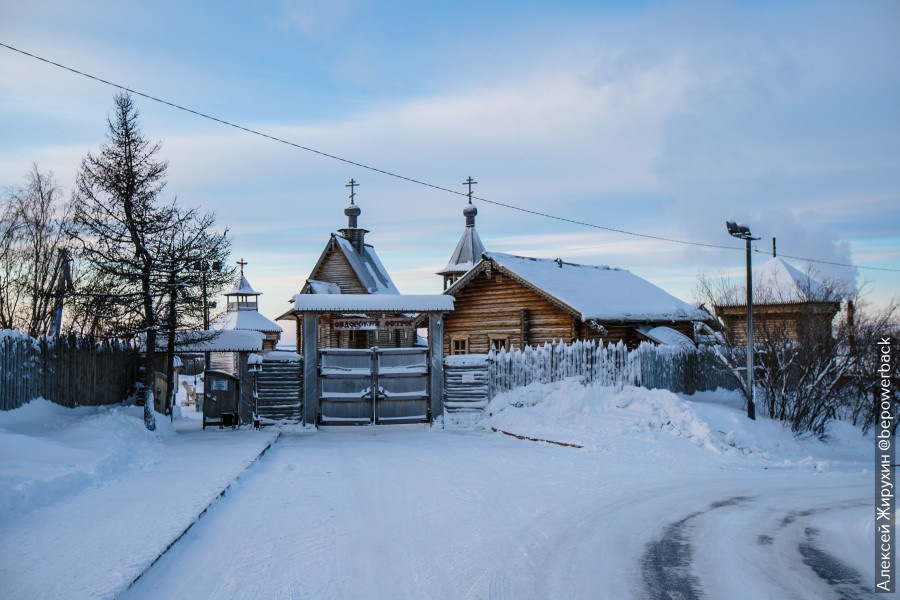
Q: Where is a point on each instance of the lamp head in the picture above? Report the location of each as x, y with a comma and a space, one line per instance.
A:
737, 230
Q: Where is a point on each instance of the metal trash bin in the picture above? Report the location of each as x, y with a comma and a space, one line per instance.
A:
221, 399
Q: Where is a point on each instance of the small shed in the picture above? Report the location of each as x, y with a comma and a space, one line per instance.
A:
787, 304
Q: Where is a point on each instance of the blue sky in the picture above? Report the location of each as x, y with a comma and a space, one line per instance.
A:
663, 118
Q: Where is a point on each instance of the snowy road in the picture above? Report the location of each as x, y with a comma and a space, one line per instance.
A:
405, 512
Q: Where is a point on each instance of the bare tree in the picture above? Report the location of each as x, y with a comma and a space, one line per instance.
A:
32, 246
192, 238
868, 331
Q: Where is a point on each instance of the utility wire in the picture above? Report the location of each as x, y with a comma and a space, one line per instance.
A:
410, 179
828, 262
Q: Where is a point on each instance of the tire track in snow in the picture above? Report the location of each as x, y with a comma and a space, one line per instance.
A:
790, 559
667, 562
845, 580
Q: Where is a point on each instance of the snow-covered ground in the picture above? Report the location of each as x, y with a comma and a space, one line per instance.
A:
667, 496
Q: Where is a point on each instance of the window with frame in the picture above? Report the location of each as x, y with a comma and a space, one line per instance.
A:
499, 342
459, 346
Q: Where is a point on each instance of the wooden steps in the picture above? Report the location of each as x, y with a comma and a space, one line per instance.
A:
280, 391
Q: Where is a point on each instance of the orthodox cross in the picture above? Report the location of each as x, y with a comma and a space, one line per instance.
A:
469, 182
242, 262
352, 185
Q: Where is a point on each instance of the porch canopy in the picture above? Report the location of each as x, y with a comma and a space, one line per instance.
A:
365, 303
211, 340
311, 305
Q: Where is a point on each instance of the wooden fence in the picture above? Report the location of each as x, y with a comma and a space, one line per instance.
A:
681, 370
68, 370
471, 380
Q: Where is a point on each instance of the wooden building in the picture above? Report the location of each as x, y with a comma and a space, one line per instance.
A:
514, 301
348, 265
787, 304
242, 314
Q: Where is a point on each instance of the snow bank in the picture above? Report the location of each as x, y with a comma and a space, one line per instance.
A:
599, 417
50, 452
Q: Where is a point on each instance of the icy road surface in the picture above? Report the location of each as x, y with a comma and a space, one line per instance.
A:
404, 512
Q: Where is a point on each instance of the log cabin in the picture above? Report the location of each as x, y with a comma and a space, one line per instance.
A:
787, 304
513, 301
348, 265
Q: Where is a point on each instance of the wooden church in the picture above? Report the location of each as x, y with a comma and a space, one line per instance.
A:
348, 265
506, 301
242, 314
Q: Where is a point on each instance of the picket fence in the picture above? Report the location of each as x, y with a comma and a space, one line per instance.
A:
68, 370
681, 370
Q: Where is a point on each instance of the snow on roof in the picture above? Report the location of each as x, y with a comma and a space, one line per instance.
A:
372, 303
665, 336
323, 287
367, 266
468, 252
466, 360
245, 320
778, 282
243, 289
228, 340
599, 293
281, 356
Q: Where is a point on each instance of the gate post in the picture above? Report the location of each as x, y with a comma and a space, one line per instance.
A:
310, 335
436, 363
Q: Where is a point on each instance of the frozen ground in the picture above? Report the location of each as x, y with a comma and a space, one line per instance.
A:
667, 498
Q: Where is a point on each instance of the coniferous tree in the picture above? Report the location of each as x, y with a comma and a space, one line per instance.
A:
118, 218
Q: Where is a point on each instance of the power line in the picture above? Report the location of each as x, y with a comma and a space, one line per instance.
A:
405, 178
828, 262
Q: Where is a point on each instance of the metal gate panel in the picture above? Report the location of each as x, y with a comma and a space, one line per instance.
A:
402, 380
345, 386
373, 386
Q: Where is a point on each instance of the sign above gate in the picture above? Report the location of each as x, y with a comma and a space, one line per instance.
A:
366, 324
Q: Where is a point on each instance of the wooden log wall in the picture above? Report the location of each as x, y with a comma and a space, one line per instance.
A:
777, 321
467, 382
67, 370
499, 306
493, 306
335, 269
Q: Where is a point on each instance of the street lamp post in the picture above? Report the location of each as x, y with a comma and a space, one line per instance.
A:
204, 267
254, 366
743, 232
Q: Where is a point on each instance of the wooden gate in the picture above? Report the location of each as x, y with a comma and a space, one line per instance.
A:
374, 385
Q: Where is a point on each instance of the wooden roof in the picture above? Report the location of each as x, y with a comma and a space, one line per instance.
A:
587, 292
